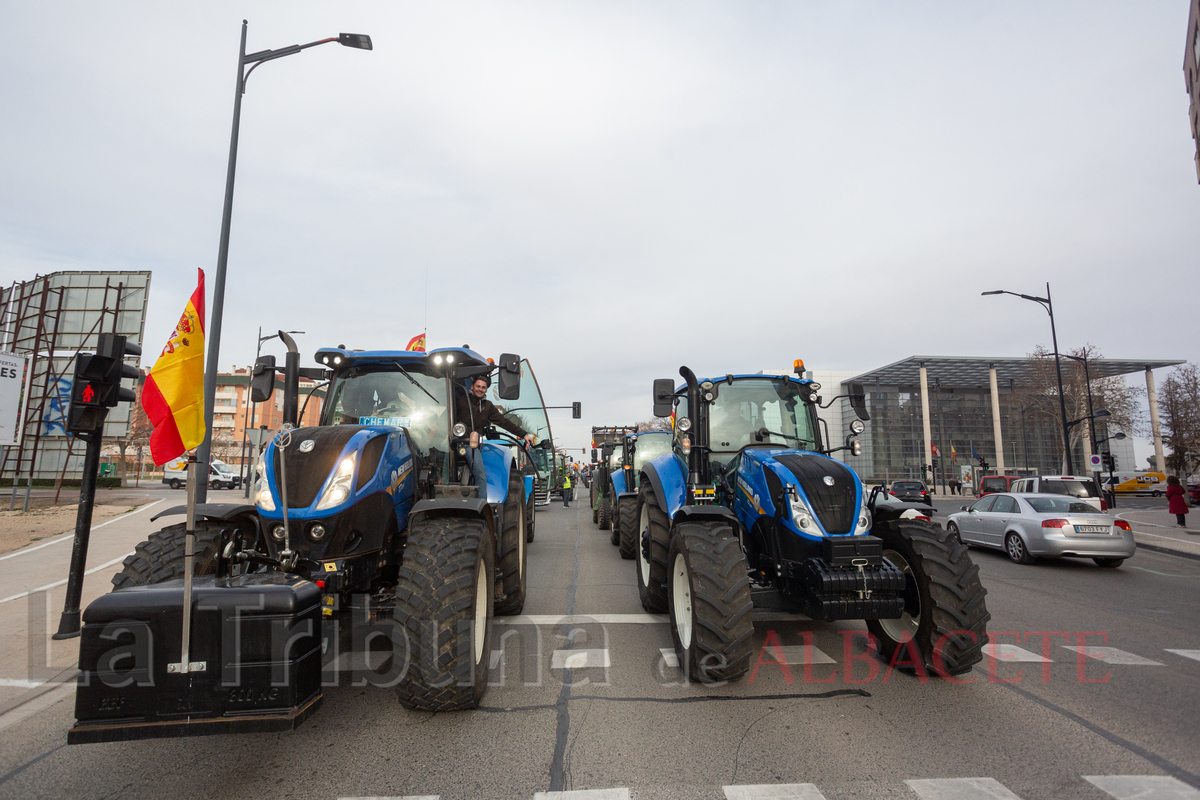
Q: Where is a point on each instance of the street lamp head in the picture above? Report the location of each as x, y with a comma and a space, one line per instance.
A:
998, 291
359, 40
1104, 412
1119, 435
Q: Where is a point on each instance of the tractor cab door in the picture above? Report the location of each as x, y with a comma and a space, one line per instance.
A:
529, 411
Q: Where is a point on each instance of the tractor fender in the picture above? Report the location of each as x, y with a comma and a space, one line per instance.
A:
452, 507
221, 511
668, 482
618, 482
712, 513
497, 463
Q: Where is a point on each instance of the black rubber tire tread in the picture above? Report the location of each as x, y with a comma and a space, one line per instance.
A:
595, 506
614, 521
160, 558
654, 594
175, 483
530, 516
437, 585
722, 611
605, 513
1108, 563
513, 565
952, 597
1026, 557
627, 517
955, 532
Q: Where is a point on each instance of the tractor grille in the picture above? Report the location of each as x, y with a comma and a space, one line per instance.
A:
306, 472
833, 505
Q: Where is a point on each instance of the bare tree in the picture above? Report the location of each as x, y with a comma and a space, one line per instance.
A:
1040, 393
1179, 415
655, 424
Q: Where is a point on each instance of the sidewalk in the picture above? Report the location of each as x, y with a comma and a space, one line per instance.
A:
1155, 528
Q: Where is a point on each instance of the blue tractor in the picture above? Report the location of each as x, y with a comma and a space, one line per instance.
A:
376, 512
749, 511
636, 450
608, 440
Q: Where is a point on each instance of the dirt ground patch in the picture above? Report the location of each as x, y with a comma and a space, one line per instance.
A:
20, 528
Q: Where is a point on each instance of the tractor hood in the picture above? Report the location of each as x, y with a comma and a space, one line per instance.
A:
830, 489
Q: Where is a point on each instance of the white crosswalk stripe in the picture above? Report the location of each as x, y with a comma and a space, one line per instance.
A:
1192, 654
670, 657
961, 789
1111, 655
405, 797
779, 791
1010, 652
799, 654
585, 794
1143, 787
579, 659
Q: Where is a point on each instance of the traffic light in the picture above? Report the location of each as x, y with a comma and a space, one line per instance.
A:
97, 383
1110, 461
935, 463
983, 464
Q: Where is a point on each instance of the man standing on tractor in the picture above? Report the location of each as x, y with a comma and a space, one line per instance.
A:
476, 412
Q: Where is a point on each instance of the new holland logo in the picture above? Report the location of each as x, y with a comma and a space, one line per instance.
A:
828, 478
308, 444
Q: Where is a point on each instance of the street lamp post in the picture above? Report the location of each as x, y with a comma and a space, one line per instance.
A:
252, 408
1045, 302
356, 40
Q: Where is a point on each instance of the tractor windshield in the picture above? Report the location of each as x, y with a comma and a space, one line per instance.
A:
541, 460
743, 409
377, 395
649, 447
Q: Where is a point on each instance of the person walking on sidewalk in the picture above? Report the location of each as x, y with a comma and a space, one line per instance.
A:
1176, 502
567, 490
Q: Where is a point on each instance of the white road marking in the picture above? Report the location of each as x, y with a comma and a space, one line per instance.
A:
579, 659
21, 683
780, 791
1010, 652
495, 659
70, 535
50, 586
1143, 787
799, 654
1192, 654
584, 794
37, 704
1111, 655
670, 657
582, 619
405, 797
961, 789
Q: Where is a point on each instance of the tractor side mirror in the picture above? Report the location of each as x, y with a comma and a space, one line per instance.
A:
262, 381
664, 396
858, 401
593, 454
607, 450
576, 410
509, 377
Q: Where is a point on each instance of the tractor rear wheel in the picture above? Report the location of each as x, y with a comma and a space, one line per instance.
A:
614, 520
628, 519
605, 513
711, 610
160, 558
530, 516
595, 505
513, 558
653, 539
945, 615
444, 603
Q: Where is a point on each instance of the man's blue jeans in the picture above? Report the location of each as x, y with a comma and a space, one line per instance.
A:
475, 463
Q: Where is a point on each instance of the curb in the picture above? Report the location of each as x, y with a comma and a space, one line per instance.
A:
1169, 551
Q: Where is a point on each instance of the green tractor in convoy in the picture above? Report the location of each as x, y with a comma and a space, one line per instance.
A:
624, 479
386, 513
607, 440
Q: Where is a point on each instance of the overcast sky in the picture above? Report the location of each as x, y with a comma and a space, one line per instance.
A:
614, 189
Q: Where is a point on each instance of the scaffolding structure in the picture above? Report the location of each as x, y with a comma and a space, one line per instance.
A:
51, 319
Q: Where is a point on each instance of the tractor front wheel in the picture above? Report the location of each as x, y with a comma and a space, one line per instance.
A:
628, 522
513, 557
160, 558
444, 603
945, 615
711, 610
605, 513
653, 539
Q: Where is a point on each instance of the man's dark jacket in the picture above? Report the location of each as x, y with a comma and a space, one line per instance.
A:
477, 413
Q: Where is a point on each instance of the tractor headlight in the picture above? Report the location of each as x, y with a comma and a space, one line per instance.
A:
816, 387
856, 448
857, 426
278, 533
459, 430
317, 532
684, 424
863, 526
263, 498
802, 515
339, 488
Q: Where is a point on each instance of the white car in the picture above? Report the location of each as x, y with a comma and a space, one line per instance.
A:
1077, 486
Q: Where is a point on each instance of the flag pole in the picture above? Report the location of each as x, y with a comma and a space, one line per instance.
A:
185, 665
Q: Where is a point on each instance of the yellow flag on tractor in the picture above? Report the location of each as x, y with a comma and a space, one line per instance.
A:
417, 343
174, 393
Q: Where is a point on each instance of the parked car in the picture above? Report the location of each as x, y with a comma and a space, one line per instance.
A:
910, 491
990, 484
1077, 486
1029, 526
1193, 491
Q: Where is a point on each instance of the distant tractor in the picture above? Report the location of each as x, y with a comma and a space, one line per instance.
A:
637, 449
609, 441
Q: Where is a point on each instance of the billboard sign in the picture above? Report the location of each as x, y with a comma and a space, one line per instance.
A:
14, 380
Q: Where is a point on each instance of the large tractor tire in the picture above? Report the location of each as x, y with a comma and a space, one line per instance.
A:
945, 614
530, 516
160, 558
614, 521
711, 610
595, 505
627, 519
653, 539
605, 513
513, 552
444, 602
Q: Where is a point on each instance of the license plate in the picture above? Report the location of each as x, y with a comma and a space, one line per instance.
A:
1092, 529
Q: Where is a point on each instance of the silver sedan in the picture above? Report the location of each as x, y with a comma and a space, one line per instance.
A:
1027, 526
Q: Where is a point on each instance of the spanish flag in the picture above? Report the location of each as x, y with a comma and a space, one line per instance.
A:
174, 393
417, 343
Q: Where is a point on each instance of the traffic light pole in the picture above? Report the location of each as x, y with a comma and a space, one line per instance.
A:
68, 624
